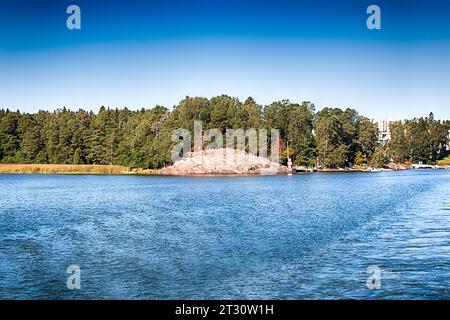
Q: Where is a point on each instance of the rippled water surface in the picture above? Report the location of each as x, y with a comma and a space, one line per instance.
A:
282, 237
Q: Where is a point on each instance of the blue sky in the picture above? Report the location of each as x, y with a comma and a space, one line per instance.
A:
143, 53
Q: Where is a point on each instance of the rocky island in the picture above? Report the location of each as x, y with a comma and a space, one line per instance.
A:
224, 161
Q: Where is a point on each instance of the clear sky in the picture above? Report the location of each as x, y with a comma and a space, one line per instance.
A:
142, 53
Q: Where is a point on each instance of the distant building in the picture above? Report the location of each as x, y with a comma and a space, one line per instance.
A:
384, 132
448, 141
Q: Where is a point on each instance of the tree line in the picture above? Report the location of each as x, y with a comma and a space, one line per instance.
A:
331, 137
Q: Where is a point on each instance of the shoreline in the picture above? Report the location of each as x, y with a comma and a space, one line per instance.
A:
69, 169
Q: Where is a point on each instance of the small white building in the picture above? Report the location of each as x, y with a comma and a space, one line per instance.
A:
384, 132
448, 141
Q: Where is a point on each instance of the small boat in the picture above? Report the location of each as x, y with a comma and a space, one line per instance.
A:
423, 166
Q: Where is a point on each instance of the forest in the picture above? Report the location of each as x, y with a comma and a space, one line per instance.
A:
331, 137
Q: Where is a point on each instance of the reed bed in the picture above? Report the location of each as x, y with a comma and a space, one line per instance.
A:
444, 162
72, 169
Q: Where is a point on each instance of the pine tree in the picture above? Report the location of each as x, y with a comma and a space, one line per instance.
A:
9, 137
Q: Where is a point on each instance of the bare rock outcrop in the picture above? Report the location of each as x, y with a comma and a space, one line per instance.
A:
223, 161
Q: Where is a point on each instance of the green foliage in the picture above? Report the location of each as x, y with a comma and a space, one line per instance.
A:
295, 122
344, 137
380, 158
360, 158
336, 136
422, 139
367, 137
332, 137
9, 136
